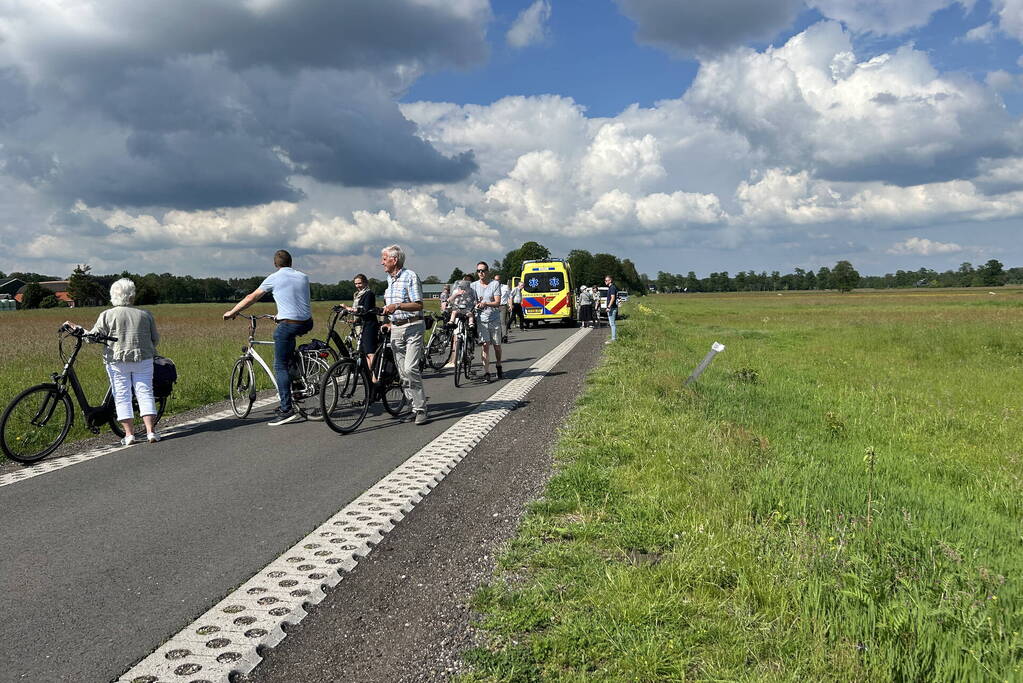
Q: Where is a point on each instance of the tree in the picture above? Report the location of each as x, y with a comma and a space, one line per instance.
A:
992, 274
529, 251
431, 280
84, 289
32, 295
49, 301
456, 275
844, 277
824, 278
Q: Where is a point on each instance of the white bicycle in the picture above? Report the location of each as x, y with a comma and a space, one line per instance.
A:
308, 367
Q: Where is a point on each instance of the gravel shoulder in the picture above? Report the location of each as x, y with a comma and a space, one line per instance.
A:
403, 613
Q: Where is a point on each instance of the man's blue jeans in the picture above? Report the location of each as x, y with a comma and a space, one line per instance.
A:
612, 316
284, 348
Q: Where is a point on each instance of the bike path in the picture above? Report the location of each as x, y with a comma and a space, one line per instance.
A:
106, 559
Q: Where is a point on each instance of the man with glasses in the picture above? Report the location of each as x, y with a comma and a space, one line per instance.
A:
488, 322
404, 304
612, 308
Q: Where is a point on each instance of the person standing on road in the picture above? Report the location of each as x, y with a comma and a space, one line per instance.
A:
612, 307
505, 302
516, 299
404, 299
489, 323
129, 360
586, 307
363, 308
595, 294
290, 289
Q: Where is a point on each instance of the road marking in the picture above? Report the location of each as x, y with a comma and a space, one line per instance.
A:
227, 640
60, 463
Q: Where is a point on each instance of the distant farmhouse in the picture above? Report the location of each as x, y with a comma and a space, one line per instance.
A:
57, 288
433, 291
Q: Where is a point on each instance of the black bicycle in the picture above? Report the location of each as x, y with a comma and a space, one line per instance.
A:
349, 387
464, 350
38, 420
438, 349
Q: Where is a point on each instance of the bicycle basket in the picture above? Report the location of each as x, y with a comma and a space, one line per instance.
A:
314, 345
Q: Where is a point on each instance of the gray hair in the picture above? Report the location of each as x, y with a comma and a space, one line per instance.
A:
395, 252
122, 292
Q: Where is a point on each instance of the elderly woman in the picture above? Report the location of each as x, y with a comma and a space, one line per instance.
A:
129, 360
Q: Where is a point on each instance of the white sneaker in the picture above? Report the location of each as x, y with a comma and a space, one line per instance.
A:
609, 341
128, 440
152, 437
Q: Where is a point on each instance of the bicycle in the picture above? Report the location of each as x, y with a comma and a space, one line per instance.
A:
38, 420
464, 350
307, 369
348, 387
438, 349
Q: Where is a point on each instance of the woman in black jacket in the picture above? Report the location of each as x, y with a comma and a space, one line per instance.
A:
363, 306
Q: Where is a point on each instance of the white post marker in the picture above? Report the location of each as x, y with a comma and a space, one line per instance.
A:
715, 349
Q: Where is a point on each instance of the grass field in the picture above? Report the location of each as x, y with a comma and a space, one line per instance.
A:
195, 336
837, 499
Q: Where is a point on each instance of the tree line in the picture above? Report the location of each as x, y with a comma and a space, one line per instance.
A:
587, 269
843, 277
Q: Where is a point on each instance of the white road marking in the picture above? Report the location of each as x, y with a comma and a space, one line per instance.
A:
228, 638
60, 463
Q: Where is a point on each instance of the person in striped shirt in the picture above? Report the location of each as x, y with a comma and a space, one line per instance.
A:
404, 305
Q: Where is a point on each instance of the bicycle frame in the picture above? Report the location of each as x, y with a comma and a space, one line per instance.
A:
94, 415
249, 350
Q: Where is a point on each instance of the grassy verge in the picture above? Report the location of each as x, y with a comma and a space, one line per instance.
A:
202, 345
837, 499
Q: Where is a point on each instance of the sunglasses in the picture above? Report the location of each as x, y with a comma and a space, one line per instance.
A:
482, 270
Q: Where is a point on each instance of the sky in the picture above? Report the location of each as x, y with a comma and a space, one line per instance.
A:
198, 137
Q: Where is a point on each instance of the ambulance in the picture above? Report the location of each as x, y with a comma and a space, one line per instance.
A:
548, 294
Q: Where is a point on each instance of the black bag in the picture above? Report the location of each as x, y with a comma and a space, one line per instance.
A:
314, 345
165, 374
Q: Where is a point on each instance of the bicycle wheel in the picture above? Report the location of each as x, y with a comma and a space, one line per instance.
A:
308, 399
393, 395
459, 343
138, 426
243, 387
438, 349
344, 396
35, 423
468, 354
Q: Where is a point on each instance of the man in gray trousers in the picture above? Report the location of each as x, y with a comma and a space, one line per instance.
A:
404, 299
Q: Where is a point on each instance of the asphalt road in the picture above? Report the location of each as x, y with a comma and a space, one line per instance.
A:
104, 560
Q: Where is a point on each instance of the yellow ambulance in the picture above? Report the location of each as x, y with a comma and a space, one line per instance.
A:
548, 294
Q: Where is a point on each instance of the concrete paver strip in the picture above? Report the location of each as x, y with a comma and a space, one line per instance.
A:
227, 639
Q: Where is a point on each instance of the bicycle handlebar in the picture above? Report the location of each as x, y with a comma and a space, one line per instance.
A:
92, 338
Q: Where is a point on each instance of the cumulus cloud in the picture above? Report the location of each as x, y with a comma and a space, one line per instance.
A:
924, 247
530, 26
892, 118
700, 28
200, 103
884, 17
1010, 17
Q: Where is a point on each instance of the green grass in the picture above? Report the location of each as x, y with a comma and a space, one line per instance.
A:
740, 529
202, 345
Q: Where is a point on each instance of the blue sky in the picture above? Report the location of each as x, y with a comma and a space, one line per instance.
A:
703, 135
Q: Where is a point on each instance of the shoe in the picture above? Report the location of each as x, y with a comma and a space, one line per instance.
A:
486, 378
152, 437
609, 341
421, 417
504, 340
128, 440
283, 417
500, 372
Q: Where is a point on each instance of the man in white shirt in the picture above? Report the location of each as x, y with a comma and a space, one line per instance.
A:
488, 323
505, 300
